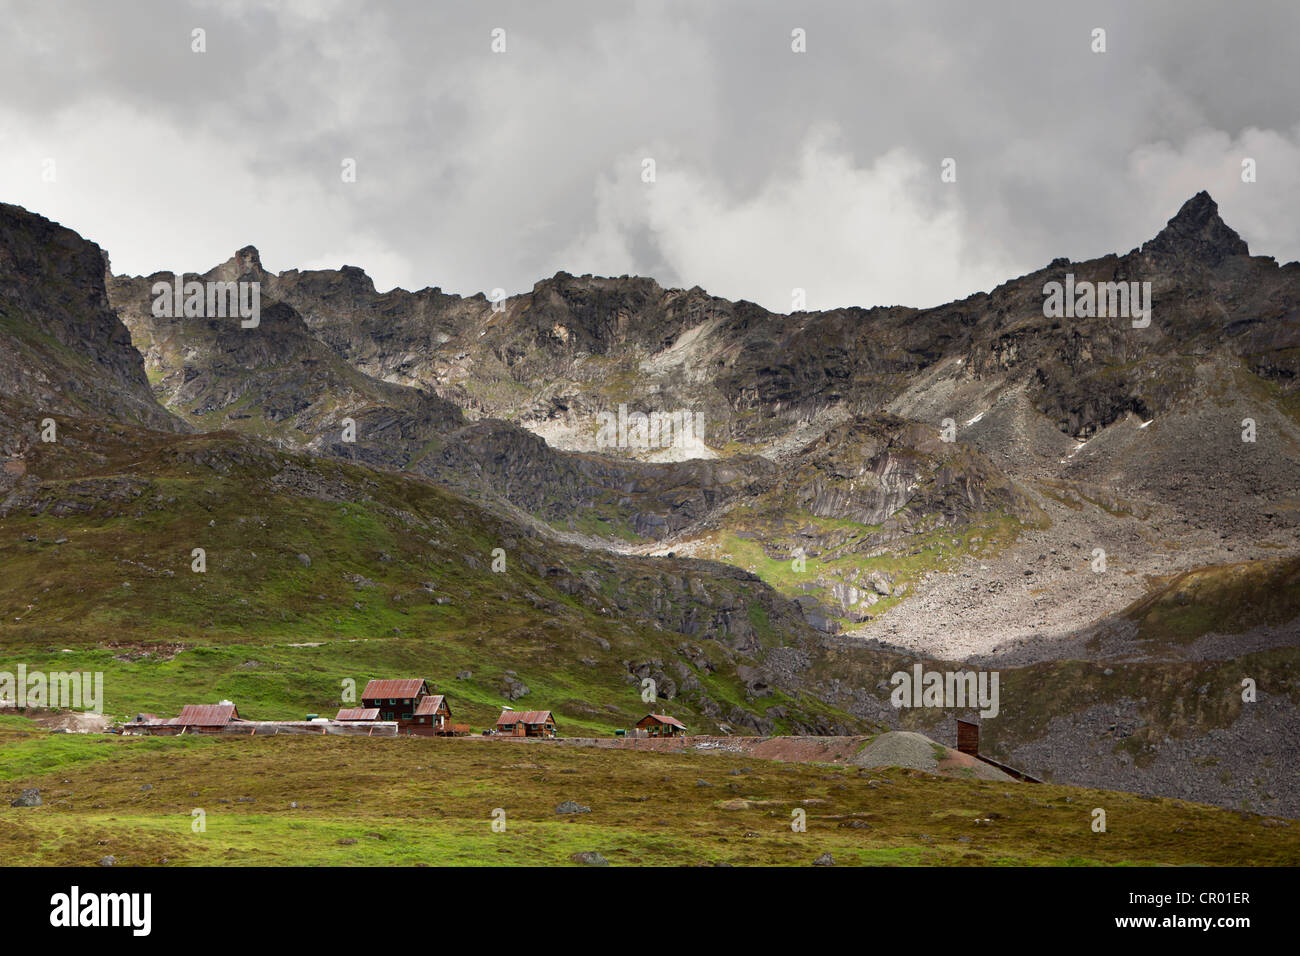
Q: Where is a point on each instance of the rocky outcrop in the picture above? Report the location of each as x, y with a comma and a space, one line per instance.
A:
554, 358
62, 349
1197, 233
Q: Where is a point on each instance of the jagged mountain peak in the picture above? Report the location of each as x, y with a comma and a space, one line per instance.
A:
245, 264
1199, 232
249, 259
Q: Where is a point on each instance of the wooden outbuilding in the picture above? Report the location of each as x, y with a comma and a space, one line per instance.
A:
968, 742
968, 737
526, 723
661, 725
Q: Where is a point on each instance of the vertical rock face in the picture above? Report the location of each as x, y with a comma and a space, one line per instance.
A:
62, 348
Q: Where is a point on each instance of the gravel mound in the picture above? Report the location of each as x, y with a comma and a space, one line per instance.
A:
903, 748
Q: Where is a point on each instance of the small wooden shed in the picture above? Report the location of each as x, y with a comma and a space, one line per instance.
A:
661, 725
526, 723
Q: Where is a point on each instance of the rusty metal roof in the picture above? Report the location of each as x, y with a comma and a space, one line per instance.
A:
395, 689
525, 717
430, 705
663, 719
358, 713
207, 715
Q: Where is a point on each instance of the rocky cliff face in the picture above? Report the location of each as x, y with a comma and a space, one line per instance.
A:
554, 358
279, 381
62, 349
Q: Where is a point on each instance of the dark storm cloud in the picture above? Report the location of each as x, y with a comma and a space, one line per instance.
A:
775, 170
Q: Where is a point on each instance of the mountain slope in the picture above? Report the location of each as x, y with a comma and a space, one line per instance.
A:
317, 571
1072, 435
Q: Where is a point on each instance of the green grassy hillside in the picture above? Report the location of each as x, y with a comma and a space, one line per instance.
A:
320, 571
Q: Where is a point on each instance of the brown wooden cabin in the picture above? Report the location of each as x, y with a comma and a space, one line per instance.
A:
526, 723
661, 725
410, 702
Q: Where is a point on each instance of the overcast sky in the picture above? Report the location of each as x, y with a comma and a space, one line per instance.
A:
774, 169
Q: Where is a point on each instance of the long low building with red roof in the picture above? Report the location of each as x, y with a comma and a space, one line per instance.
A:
357, 713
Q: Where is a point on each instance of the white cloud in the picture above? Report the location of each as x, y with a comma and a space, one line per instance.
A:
775, 170
889, 233
163, 199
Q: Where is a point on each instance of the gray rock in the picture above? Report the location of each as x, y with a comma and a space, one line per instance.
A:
512, 688
569, 806
589, 858
31, 797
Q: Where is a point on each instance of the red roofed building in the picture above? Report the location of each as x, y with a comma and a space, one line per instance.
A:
434, 712
526, 723
661, 725
205, 718
379, 692
358, 713
410, 702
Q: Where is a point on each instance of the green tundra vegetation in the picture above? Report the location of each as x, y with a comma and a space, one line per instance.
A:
405, 801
